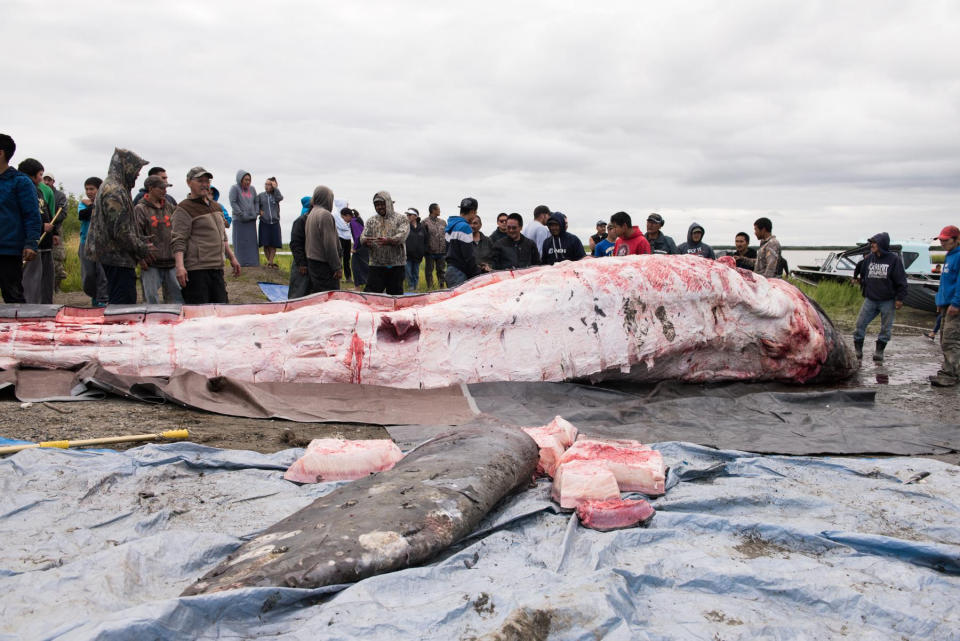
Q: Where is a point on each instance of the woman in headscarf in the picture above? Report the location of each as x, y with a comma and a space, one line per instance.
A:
243, 204
322, 246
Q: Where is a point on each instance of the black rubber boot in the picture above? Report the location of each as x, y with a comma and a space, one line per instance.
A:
878, 354
858, 348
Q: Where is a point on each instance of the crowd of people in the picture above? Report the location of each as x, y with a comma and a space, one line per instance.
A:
181, 248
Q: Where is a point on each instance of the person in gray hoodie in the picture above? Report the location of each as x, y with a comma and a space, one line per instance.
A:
269, 204
245, 209
694, 245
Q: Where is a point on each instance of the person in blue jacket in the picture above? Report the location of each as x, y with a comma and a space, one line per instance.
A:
948, 304
884, 284
560, 245
19, 223
461, 252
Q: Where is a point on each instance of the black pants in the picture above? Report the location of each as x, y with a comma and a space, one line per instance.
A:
121, 285
299, 283
204, 286
11, 279
345, 245
389, 279
321, 276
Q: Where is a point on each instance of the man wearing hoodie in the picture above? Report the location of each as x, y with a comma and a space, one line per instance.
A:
629, 238
19, 223
322, 243
114, 239
948, 304
245, 209
694, 245
560, 245
461, 252
884, 288
299, 273
385, 235
660, 243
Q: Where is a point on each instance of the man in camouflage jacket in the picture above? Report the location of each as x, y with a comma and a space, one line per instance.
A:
114, 240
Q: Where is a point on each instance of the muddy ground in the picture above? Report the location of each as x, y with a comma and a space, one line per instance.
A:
901, 382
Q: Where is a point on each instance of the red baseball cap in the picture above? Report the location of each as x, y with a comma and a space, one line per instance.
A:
950, 231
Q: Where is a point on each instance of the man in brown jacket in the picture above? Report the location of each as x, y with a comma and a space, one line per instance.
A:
154, 216
200, 242
322, 243
436, 246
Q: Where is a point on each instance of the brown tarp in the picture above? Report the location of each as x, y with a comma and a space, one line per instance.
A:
302, 402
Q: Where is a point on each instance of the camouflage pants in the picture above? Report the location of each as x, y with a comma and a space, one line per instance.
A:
59, 264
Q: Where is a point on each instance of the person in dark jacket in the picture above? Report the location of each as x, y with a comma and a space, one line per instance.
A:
884, 288
744, 254
516, 251
299, 275
461, 252
560, 245
660, 243
38, 275
416, 248
19, 223
155, 171
695, 245
483, 245
501, 230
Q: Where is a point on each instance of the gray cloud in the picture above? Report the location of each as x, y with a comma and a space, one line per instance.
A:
830, 116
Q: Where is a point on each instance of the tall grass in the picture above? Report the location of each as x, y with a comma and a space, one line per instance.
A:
837, 299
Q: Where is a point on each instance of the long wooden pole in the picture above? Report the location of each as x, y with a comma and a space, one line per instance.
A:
169, 434
44, 234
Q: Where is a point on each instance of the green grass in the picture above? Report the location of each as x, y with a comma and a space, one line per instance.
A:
841, 301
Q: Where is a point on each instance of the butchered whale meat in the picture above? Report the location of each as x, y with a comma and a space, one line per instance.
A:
633, 317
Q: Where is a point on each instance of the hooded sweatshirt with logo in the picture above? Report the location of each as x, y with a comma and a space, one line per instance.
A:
391, 225
19, 213
884, 277
696, 249
461, 252
114, 238
564, 246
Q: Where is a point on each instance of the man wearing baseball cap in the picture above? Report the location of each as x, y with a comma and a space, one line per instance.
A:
599, 236
948, 304
461, 252
659, 242
199, 243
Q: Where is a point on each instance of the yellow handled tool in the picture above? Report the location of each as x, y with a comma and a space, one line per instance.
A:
169, 434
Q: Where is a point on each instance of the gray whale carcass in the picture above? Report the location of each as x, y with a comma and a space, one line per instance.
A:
433, 497
642, 318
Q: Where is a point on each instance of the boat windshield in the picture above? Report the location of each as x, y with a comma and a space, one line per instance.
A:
909, 258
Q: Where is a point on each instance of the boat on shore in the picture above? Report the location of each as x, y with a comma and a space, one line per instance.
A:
923, 277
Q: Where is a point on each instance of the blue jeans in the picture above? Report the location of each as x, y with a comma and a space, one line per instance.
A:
454, 276
413, 274
154, 279
868, 312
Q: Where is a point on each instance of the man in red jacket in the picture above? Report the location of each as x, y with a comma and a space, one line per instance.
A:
630, 240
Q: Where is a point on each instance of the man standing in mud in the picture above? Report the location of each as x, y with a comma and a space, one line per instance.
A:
884, 288
114, 239
948, 304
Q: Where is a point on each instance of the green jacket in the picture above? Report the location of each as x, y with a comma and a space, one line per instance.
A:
114, 238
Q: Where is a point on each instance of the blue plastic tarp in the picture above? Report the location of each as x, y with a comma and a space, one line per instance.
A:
274, 292
98, 544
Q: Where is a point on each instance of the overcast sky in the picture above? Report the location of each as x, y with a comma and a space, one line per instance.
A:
835, 119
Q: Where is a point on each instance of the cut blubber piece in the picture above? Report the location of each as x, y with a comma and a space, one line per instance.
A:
613, 514
552, 439
337, 459
636, 467
579, 481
